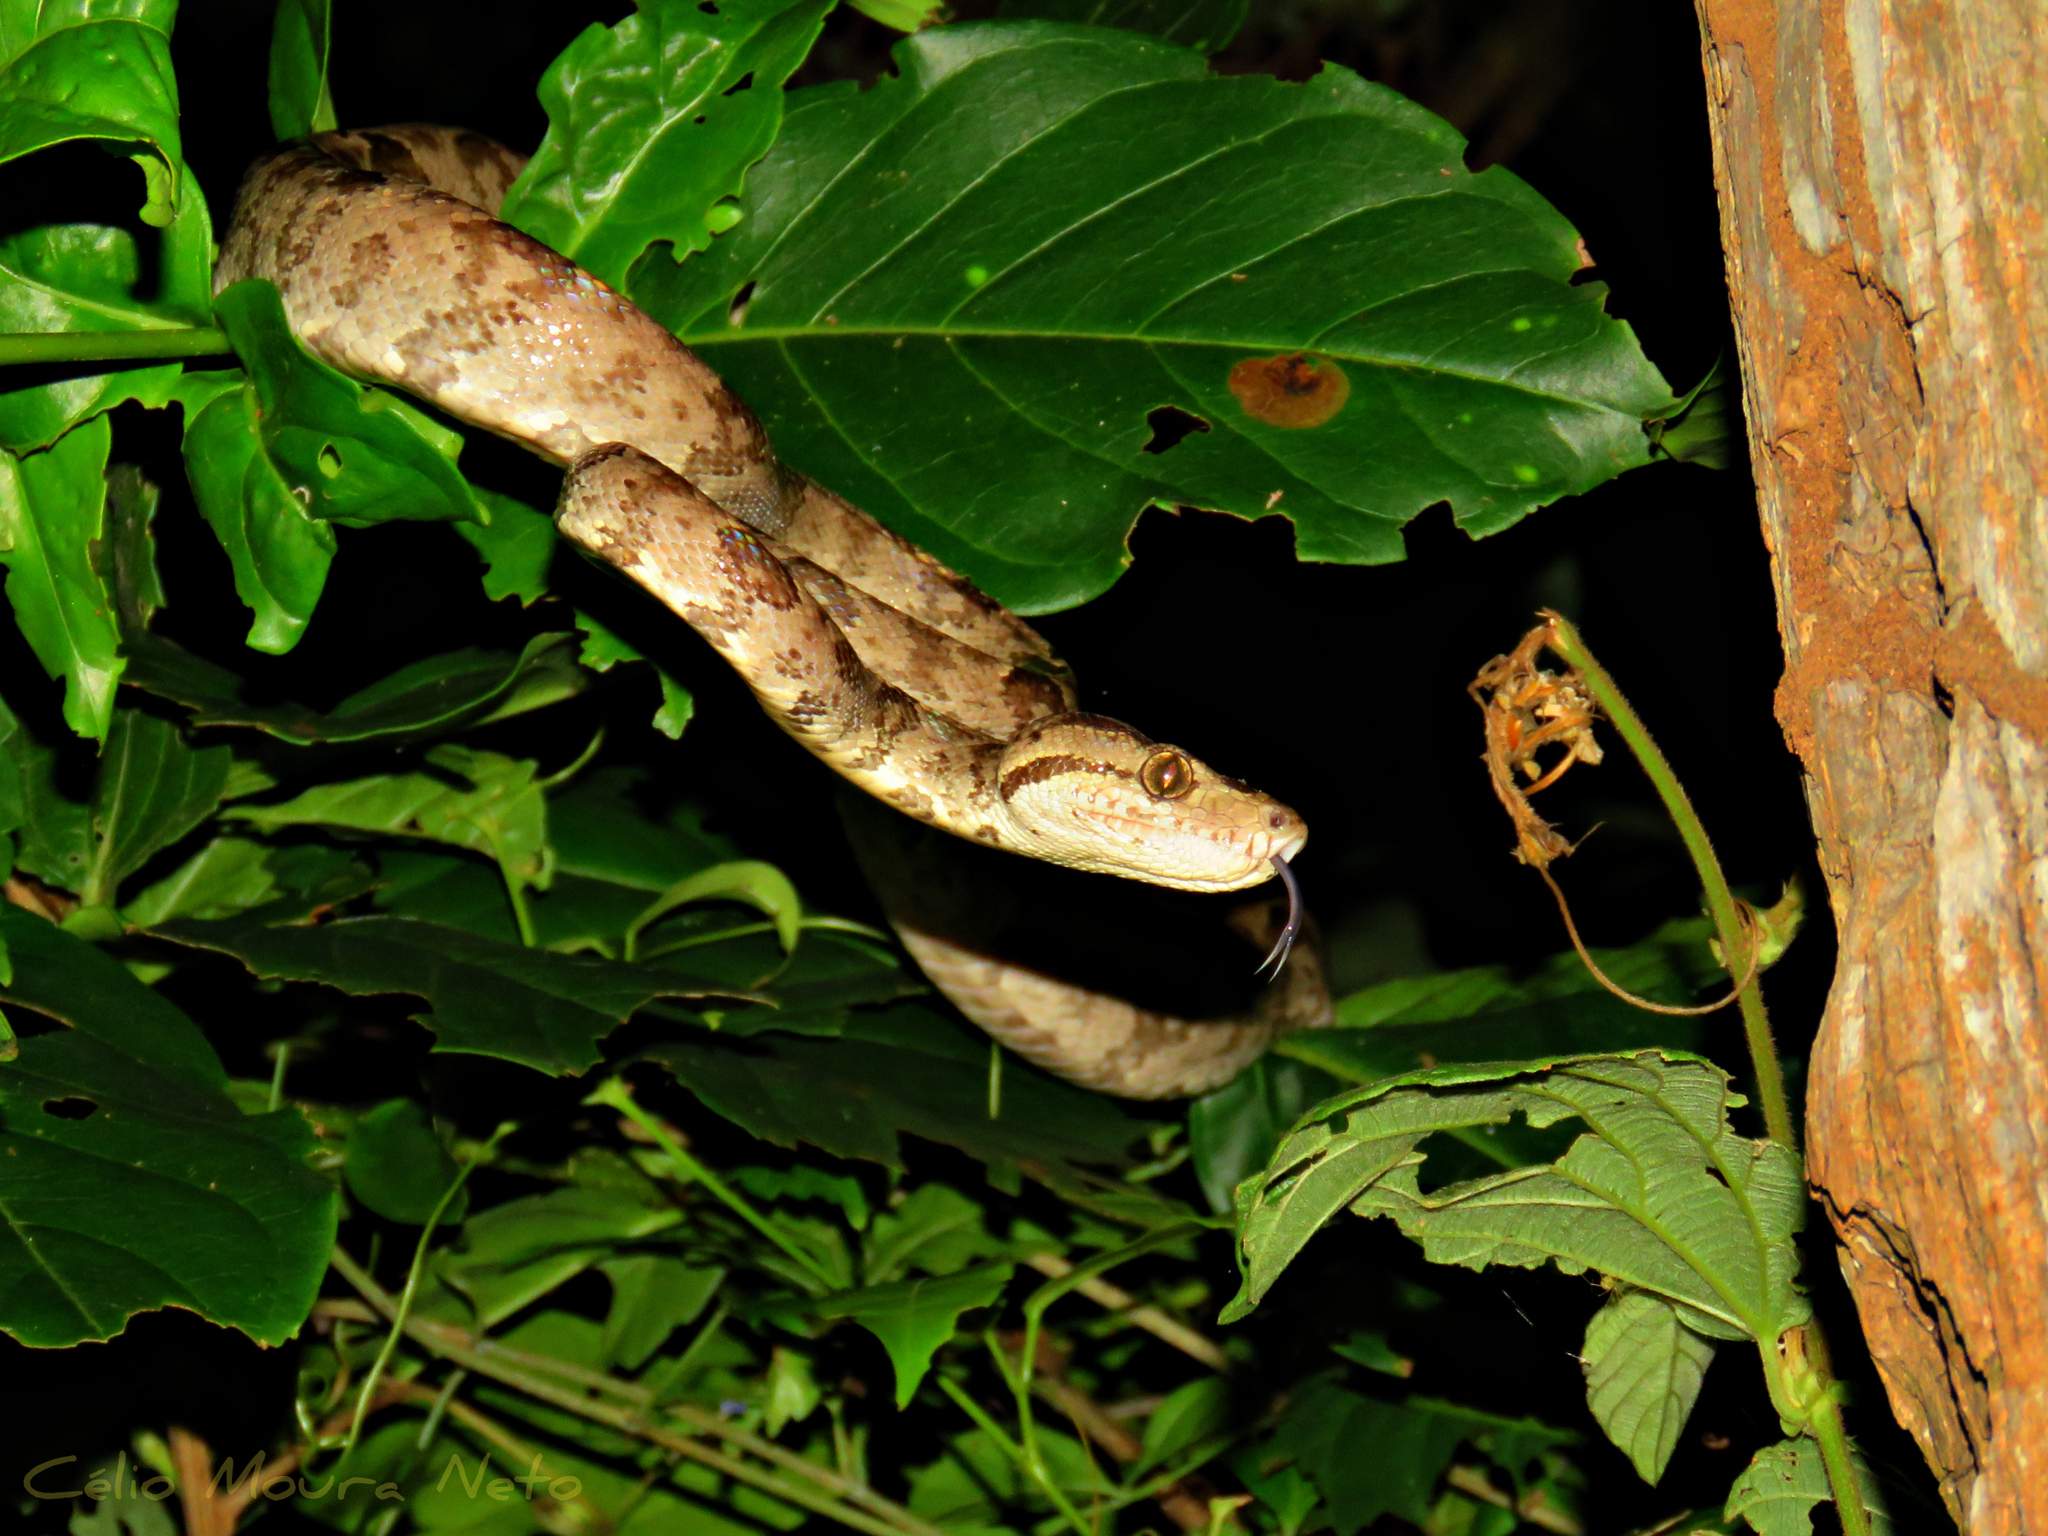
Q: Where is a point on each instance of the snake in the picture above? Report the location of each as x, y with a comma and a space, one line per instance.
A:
392, 265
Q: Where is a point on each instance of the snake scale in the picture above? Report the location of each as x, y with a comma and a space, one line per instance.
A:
385, 247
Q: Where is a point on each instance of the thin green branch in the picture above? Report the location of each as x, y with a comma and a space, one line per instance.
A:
403, 1309
1737, 936
614, 1093
112, 346
831, 1497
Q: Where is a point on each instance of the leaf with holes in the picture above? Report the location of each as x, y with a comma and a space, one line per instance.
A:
971, 298
68, 74
131, 1181
1659, 1194
1778, 1490
652, 124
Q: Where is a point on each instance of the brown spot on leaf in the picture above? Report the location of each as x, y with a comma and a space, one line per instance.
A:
1292, 390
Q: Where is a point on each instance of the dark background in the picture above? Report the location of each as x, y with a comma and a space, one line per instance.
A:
1341, 690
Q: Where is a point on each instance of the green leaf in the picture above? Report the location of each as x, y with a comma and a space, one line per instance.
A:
1233, 1131
912, 1318
1207, 26
502, 812
1291, 1497
228, 875
897, 1070
652, 1296
1778, 1489
1643, 1373
761, 886
396, 1165
350, 453
513, 1254
52, 512
1189, 1413
105, 78
653, 122
530, 1006
1369, 1458
131, 1181
903, 15
1369, 1348
792, 1392
604, 649
804, 1182
1659, 1194
516, 546
152, 789
434, 696
936, 1229
300, 102
961, 298
279, 552
970, 1488
88, 277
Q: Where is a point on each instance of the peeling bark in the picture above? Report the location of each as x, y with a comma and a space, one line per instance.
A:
1883, 172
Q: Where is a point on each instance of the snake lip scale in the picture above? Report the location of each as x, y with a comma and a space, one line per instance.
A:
898, 673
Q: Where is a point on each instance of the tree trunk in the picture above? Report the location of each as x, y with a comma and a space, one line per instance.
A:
1883, 173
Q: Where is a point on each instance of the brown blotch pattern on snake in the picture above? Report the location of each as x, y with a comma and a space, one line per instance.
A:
1293, 390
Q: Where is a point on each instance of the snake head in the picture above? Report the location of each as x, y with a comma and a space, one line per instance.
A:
1094, 794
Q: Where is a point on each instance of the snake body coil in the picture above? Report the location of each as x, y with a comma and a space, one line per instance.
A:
912, 684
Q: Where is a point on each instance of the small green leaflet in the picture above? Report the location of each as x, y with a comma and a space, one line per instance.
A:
1643, 1373
52, 515
1207, 26
396, 1165
913, 1318
965, 297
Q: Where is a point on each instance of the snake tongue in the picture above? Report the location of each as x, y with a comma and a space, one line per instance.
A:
1282, 946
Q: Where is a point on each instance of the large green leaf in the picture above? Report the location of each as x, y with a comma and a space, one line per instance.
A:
1660, 1194
1203, 25
912, 1318
486, 998
88, 277
52, 515
963, 297
652, 122
500, 810
131, 1181
94, 71
1643, 1373
228, 875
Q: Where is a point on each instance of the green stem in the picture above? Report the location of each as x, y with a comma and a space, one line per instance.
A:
1023, 1452
412, 1285
1736, 935
1827, 1428
614, 1093
112, 346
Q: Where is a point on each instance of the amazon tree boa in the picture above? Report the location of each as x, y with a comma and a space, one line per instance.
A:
909, 682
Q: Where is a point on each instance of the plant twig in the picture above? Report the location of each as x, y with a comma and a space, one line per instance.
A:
1111, 1298
1738, 938
412, 1285
113, 346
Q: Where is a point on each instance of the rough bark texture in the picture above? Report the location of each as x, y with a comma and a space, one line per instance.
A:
1883, 169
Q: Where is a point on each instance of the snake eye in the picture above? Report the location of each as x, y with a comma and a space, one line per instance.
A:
1167, 775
